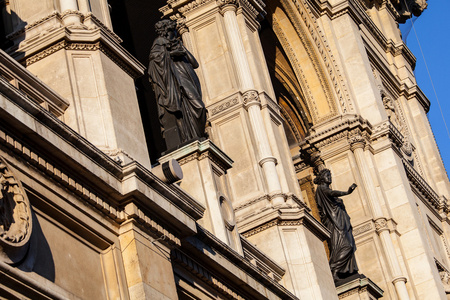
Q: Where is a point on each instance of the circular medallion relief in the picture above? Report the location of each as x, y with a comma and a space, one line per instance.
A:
227, 212
15, 216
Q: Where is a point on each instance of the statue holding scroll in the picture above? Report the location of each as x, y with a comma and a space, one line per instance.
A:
334, 216
181, 111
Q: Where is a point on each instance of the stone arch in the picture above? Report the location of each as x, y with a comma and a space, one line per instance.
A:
312, 69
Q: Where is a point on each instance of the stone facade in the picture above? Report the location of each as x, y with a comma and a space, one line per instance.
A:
291, 87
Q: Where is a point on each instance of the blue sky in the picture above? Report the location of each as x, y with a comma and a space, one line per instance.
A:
433, 33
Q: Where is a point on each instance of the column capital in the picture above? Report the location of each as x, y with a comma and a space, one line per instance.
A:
181, 26
227, 5
250, 98
357, 139
381, 224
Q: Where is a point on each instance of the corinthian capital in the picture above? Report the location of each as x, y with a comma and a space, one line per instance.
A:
356, 139
181, 26
227, 4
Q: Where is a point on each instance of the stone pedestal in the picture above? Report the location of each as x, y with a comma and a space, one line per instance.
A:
204, 166
360, 288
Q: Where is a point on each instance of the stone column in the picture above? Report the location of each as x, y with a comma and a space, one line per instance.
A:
399, 280
252, 101
69, 12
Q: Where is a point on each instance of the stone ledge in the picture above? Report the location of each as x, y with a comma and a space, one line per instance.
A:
356, 289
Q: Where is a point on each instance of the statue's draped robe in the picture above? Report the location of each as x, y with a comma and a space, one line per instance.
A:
335, 218
177, 89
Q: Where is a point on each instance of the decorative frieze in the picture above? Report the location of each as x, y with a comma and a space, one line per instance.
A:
419, 184
188, 7
260, 228
362, 229
223, 106
35, 24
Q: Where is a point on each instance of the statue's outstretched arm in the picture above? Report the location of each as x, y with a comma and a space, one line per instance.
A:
334, 193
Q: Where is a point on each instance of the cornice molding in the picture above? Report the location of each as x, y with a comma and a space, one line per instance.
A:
292, 218
86, 46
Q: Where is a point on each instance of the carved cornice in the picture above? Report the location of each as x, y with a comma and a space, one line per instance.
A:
289, 217
69, 12
202, 273
175, 6
199, 150
223, 257
33, 25
46, 52
425, 191
87, 46
132, 212
62, 177
96, 23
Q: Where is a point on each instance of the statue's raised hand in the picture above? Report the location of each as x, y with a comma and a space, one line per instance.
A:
352, 188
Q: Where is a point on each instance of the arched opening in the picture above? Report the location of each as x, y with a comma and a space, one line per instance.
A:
301, 106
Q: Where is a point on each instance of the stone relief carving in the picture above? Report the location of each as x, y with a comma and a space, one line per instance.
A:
391, 112
15, 219
397, 118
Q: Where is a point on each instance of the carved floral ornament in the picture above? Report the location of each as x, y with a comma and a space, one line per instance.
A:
15, 216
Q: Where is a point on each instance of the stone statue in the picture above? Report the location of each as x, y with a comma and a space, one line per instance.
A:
391, 112
334, 216
181, 111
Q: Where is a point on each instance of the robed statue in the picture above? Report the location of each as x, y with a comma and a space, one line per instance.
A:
334, 216
182, 113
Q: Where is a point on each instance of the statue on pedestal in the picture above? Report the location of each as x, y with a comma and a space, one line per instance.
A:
334, 216
181, 111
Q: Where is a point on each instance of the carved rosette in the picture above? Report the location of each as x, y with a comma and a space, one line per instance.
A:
251, 98
15, 217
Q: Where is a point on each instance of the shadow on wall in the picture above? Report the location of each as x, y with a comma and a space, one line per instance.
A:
39, 258
10, 25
